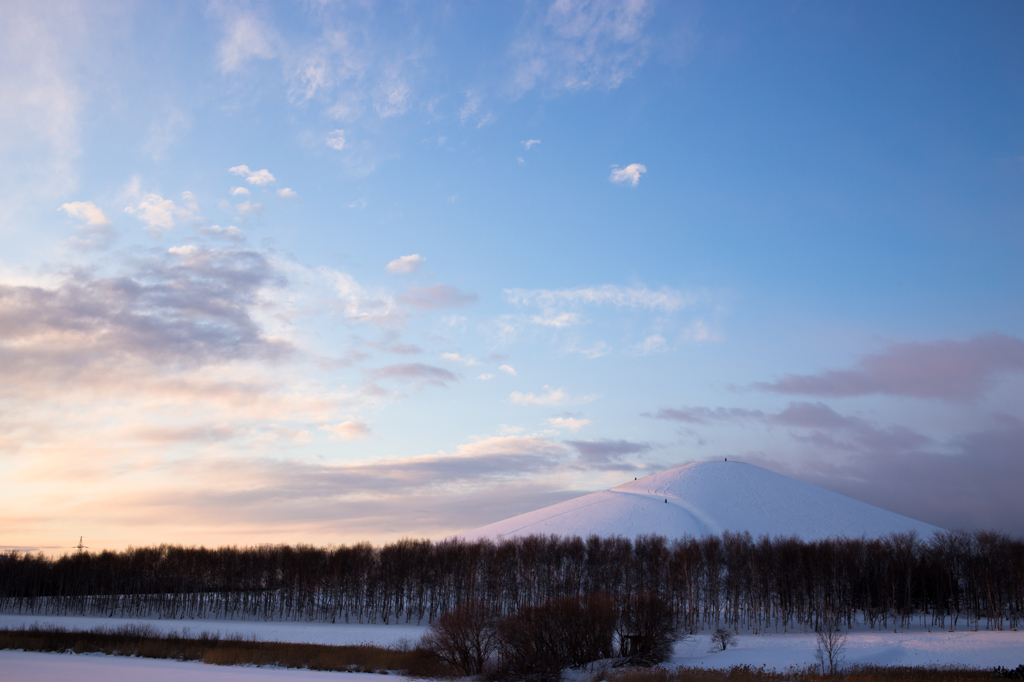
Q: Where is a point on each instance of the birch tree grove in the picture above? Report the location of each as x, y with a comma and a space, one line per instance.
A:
955, 580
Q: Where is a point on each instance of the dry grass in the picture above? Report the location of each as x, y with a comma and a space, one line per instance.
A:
751, 674
144, 642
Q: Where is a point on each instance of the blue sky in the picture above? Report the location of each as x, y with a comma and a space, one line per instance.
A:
326, 271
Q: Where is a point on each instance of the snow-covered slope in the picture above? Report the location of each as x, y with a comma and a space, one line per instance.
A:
706, 498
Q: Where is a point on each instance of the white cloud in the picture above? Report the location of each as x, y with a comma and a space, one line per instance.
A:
508, 369
239, 191
287, 193
358, 203
529, 143
348, 430
458, 359
406, 264
570, 423
183, 251
551, 397
245, 37
230, 232
336, 139
561, 320
520, 160
86, 211
260, 177
665, 299
629, 175
158, 213
485, 377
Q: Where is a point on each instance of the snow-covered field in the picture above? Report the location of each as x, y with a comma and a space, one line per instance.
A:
25, 666
982, 649
975, 649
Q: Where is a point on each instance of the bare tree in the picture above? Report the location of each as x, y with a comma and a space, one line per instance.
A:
831, 651
464, 638
722, 639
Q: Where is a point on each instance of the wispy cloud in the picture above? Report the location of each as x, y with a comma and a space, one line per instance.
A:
604, 453
459, 360
336, 140
230, 232
435, 297
508, 369
558, 320
581, 44
246, 37
41, 78
946, 370
699, 332
471, 106
529, 143
570, 423
247, 208
391, 96
639, 297
347, 430
287, 193
416, 373
817, 423
164, 132
655, 343
95, 231
550, 398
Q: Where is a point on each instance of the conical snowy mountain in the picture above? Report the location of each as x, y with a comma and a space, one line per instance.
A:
706, 498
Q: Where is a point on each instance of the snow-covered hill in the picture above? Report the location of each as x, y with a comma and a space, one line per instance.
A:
706, 498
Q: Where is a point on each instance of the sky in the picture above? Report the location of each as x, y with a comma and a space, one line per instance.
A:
328, 272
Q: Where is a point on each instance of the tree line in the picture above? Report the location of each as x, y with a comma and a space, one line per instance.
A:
954, 580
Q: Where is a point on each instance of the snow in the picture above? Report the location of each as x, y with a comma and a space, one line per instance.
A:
982, 649
707, 498
28, 666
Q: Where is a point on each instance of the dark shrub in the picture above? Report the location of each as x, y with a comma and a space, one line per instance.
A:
568, 632
647, 630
